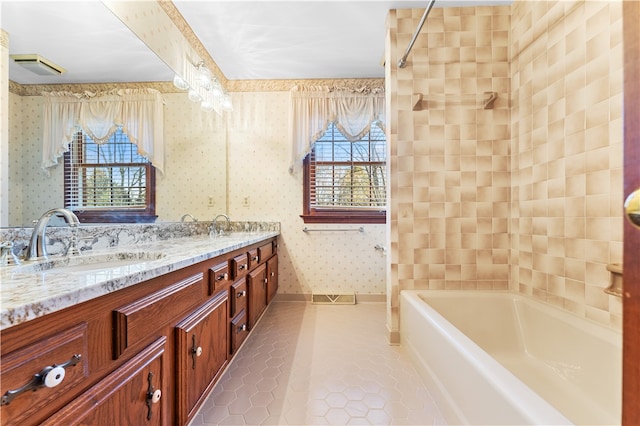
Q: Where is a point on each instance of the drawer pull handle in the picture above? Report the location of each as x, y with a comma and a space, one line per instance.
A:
243, 327
224, 276
241, 293
153, 395
49, 377
196, 351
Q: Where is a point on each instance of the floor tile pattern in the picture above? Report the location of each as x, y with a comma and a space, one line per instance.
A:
311, 364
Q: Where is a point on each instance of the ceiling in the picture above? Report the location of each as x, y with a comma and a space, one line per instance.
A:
270, 40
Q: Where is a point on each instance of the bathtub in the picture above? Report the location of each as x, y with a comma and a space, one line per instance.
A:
502, 358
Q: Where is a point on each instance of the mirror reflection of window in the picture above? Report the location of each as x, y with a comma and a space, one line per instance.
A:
109, 182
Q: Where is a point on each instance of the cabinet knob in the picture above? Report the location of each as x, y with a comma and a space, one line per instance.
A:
155, 396
243, 327
241, 293
224, 276
243, 266
273, 274
49, 377
254, 258
198, 351
54, 377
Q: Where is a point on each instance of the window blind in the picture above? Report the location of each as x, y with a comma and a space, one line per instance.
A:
348, 175
105, 176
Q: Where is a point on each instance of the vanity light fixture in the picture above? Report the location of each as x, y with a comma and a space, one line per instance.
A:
205, 88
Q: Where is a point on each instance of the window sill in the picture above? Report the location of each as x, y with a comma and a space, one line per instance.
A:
115, 216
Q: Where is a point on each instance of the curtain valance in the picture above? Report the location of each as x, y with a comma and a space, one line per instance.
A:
313, 108
138, 111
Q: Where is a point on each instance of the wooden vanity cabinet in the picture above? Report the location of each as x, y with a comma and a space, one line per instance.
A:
148, 354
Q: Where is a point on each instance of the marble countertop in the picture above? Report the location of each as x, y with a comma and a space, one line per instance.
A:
32, 290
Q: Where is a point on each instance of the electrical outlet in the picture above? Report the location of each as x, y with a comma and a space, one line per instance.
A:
211, 202
246, 202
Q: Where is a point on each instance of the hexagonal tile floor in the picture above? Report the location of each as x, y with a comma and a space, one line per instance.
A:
311, 364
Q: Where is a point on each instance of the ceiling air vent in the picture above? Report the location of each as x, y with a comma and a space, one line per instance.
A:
37, 64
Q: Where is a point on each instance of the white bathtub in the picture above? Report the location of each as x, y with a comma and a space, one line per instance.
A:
501, 358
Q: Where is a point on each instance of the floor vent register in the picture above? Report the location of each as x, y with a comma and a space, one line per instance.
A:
333, 298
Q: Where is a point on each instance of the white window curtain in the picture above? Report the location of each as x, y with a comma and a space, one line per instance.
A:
313, 108
138, 111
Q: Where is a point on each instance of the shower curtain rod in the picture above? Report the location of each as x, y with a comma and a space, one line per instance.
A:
402, 62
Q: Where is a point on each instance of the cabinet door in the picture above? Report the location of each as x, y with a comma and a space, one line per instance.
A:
202, 348
272, 278
257, 289
131, 395
40, 378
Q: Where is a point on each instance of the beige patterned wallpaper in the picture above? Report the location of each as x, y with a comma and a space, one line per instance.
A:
246, 153
195, 162
259, 155
4, 131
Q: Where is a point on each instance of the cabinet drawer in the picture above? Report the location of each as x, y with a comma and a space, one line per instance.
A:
61, 363
202, 342
239, 331
239, 266
265, 252
238, 296
137, 321
219, 277
253, 258
134, 394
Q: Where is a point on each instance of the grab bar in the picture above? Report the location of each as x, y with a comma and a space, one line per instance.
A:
402, 62
361, 229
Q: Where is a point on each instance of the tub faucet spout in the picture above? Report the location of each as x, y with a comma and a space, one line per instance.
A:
37, 245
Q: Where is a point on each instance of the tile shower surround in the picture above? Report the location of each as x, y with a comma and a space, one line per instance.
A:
526, 196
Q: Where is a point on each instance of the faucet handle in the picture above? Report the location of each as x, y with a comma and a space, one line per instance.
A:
7, 256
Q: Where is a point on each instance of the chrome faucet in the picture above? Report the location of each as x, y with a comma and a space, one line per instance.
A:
214, 231
37, 245
188, 215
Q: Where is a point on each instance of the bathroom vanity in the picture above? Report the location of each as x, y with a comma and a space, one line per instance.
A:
136, 343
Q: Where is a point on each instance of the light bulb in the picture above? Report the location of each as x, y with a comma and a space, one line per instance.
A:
194, 96
180, 83
217, 89
204, 77
206, 106
226, 102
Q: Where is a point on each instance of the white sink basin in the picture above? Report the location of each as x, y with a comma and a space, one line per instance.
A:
88, 263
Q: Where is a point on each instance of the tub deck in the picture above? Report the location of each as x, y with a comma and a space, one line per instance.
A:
550, 366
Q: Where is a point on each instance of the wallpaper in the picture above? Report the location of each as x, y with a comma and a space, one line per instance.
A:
243, 155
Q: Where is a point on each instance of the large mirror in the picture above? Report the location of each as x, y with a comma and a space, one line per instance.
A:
95, 48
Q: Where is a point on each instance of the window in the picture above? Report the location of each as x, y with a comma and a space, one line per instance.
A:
345, 182
108, 182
